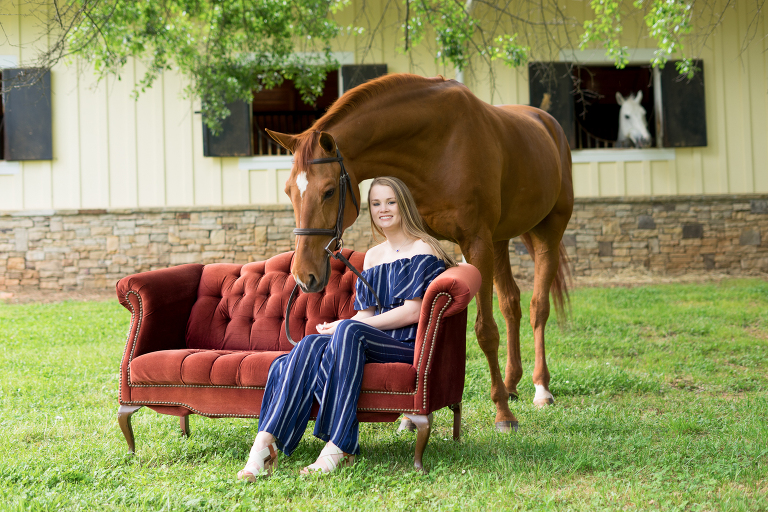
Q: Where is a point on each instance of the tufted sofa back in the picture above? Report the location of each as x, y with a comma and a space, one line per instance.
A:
242, 307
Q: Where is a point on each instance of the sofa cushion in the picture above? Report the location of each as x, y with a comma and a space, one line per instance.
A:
196, 367
242, 307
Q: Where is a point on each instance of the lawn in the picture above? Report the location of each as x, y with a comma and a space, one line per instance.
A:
661, 404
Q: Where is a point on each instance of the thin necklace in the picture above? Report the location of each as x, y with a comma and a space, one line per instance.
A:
402, 245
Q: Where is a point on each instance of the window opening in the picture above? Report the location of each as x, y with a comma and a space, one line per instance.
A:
596, 107
2, 119
281, 109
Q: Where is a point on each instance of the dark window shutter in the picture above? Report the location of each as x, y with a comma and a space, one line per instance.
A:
683, 108
554, 79
235, 136
354, 75
27, 116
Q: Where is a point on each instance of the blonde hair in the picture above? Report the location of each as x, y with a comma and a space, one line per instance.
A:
412, 223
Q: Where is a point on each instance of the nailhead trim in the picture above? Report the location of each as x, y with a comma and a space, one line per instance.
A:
201, 413
366, 409
432, 345
248, 387
389, 392
127, 341
192, 386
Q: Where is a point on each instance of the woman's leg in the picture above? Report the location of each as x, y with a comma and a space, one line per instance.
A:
288, 395
340, 376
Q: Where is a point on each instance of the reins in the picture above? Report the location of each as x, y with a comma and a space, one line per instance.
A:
335, 232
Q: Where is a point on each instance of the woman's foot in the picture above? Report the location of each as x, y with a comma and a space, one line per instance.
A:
261, 460
329, 459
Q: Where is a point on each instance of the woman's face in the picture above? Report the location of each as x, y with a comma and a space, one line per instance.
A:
384, 209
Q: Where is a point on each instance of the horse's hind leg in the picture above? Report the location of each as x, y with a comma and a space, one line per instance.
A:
478, 252
546, 246
509, 303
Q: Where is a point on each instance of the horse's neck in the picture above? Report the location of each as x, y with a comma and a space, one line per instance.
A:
382, 136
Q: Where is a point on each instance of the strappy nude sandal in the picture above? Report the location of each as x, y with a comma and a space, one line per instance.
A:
329, 460
260, 463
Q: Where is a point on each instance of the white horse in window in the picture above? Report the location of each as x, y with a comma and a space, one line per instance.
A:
633, 127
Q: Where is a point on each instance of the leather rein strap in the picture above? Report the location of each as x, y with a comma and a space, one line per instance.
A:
335, 232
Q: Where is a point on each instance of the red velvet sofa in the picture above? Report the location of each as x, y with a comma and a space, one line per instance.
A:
202, 338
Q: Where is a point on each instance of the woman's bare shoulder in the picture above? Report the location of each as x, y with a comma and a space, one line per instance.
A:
422, 247
373, 256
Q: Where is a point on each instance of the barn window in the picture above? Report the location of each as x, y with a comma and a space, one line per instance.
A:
596, 106
25, 116
583, 99
280, 109
2, 123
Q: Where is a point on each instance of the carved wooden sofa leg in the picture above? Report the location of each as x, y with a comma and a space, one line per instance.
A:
456, 408
124, 420
184, 423
406, 424
424, 427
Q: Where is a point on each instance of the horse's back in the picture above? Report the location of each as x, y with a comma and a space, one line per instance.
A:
536, 116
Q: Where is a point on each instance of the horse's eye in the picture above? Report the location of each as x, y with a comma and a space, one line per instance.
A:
329, 193
626, 116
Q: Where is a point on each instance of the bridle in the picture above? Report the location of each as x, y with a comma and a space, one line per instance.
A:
335, 232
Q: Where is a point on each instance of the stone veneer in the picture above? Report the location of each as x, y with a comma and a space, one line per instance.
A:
78, 249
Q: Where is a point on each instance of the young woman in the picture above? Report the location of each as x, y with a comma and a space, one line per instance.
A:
328, 366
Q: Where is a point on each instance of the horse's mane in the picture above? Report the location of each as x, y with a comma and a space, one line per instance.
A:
346, 104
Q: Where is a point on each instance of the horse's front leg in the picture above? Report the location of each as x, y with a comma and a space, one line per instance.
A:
480, 254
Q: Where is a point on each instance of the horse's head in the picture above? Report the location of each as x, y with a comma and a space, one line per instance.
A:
633, 127
315, 189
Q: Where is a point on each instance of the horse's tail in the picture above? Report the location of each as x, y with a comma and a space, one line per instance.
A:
559, 288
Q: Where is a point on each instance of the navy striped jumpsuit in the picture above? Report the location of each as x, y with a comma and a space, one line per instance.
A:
330, 368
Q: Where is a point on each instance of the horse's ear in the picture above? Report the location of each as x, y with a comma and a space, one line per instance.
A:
327, 143
619, 98
285, 140
639, 97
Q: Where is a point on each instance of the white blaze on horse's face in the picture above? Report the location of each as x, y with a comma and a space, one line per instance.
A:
302, 182
633, 127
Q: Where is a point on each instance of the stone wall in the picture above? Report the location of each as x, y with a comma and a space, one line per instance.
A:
80, 249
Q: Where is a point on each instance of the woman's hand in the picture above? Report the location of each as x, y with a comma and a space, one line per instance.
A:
327, 328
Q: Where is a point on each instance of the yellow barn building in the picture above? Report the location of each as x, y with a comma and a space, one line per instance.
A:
116, 185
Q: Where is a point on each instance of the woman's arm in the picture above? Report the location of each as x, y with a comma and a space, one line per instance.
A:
407, 314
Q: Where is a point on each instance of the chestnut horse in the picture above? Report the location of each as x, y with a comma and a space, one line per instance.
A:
480, 175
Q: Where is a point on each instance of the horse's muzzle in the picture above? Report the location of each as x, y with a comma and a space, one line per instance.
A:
312, 282
642, 143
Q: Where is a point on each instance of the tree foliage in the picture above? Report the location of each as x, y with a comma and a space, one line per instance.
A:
668, 22
229, 48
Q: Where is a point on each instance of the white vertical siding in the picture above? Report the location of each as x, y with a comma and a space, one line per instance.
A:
111, 150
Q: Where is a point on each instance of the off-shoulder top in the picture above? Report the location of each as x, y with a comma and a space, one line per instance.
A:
395, 282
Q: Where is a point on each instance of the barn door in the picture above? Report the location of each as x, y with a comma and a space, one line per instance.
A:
235, 136
27, 115
550, 86
683, 110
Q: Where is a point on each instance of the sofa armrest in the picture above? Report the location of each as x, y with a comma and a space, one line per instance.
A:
461, 282
440, 350
160, 302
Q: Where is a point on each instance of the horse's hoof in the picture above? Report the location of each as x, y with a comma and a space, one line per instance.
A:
406, 424
514, 396
506, 427
543, 402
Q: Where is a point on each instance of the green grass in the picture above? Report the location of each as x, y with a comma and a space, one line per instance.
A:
662, 404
